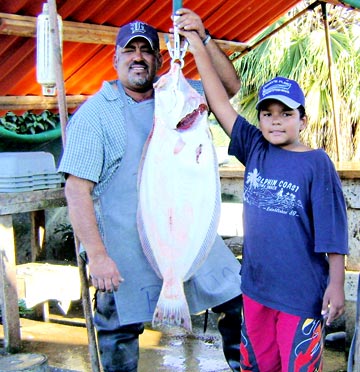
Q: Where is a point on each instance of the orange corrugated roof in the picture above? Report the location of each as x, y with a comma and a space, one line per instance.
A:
87, 65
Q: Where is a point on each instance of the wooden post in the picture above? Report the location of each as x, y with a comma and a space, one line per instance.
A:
60, 86
94, 356
86, 302
333, 90
8, 291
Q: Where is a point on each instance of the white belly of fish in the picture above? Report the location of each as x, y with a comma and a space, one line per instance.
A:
179, 194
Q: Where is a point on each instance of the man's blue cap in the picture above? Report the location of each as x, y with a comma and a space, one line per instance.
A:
284, 90
137, 29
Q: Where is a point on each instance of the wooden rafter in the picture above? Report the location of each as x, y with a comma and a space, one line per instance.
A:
12, 24
12, 103
25, 26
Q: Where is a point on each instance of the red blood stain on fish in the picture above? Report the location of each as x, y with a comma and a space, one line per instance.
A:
198, 153
190, 119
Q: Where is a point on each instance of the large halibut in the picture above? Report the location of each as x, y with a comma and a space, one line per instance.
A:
179, 193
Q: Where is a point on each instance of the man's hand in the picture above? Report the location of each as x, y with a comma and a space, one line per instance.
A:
104, 273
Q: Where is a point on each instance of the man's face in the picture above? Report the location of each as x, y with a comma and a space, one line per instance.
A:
137, 65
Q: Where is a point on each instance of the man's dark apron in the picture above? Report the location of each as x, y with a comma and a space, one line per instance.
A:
217, 280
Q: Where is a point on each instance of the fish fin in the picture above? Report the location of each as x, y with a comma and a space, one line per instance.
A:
172, 311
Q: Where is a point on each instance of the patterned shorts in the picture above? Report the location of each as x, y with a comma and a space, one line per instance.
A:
274, 341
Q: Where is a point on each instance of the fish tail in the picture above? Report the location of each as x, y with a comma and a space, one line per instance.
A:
172, 311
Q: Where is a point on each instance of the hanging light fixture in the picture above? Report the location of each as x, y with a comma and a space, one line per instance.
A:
45, 59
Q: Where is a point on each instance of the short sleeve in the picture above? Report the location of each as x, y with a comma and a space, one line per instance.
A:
83, 152
329, 209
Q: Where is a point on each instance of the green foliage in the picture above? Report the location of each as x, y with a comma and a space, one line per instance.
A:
23, 310
299, 51
29, 123
219, 137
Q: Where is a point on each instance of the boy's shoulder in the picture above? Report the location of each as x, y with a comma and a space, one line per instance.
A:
319, 163
320, 156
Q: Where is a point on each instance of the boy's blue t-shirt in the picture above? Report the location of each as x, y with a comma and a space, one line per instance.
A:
294, 213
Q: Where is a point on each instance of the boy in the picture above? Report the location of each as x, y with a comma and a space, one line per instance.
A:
294, 222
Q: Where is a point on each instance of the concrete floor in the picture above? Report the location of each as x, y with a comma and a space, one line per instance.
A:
66, 347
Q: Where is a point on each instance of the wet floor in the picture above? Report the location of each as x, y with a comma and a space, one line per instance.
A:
65, 346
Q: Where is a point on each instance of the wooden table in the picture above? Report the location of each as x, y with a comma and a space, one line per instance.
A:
34, 202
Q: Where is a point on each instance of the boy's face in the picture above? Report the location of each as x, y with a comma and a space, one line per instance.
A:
281, 125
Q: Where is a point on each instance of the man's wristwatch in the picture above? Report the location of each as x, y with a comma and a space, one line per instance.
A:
207, 37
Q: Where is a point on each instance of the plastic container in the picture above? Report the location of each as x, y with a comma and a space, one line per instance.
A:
21, 164
28, 171
48, 135
31, 179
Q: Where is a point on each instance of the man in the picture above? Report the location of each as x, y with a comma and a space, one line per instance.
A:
105, 139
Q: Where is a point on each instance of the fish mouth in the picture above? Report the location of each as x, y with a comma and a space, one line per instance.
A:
187, 121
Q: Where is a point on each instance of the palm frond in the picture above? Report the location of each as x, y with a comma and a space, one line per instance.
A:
299, 51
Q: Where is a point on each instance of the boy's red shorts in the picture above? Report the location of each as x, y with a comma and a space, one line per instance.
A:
274, 341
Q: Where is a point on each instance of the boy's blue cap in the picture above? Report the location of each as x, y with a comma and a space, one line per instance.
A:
137, 29
284, 90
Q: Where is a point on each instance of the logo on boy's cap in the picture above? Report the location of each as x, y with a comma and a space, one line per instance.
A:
137, 29
284, 90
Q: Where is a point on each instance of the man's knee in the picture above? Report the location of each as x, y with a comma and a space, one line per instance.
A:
118, 344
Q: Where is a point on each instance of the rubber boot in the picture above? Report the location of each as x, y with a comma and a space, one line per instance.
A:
229, 325
118, 345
